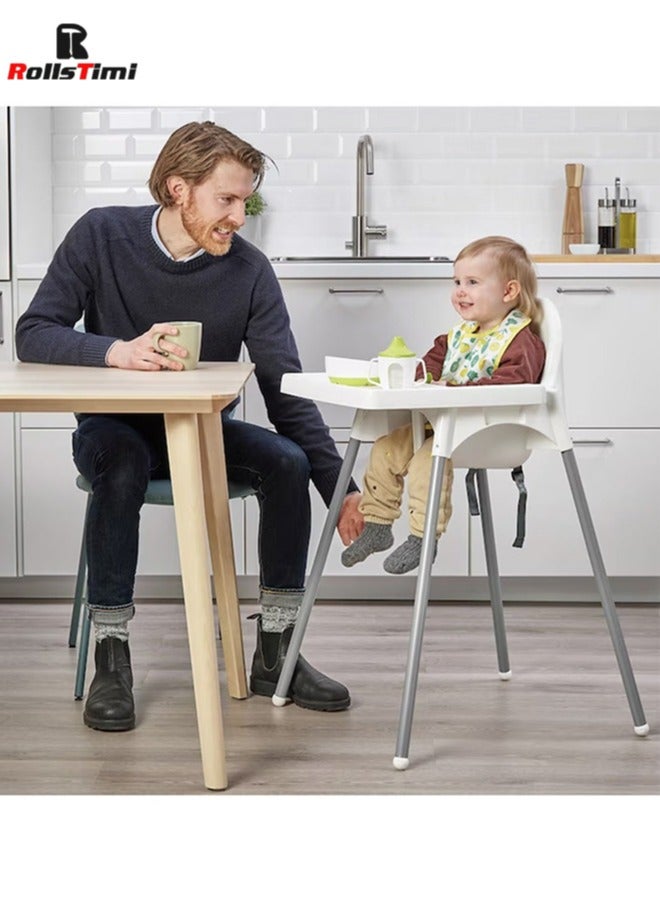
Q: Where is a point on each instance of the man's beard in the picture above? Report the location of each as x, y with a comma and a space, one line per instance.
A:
202, 233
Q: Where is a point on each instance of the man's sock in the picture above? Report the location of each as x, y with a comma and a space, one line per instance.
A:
277, 619
375, 537
112, 623
406, 556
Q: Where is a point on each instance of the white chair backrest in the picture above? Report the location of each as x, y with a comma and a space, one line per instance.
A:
551, 335
497, 437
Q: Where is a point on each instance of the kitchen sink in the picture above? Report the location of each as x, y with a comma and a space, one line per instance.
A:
429, 259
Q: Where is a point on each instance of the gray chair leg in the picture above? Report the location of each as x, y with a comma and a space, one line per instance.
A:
493, 575
282, 688
607, 601
401, 759
80, 581
81, 667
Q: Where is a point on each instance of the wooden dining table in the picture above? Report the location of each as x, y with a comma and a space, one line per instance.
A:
190, 402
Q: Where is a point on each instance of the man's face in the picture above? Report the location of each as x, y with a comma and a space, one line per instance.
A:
213, 210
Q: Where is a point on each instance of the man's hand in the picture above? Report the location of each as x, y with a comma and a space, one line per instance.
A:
140, 353
351, 521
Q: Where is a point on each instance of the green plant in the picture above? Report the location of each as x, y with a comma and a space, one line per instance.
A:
255, 204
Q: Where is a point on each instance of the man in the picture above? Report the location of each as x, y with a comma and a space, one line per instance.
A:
128, 271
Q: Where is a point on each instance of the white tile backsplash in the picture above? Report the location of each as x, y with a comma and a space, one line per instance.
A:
442, 175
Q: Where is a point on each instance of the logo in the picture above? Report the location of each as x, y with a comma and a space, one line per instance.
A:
69, 46
70, 42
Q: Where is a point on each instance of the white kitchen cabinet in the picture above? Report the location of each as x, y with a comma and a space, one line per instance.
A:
613, 409
5, 263
7, 454
610, 363
27, 288
53, 506
7, 497
622, 484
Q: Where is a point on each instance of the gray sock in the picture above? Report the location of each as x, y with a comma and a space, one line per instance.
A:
406, 556
112, 623
375, 537
277, 619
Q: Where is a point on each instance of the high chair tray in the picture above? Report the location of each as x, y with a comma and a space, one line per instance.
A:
317, 386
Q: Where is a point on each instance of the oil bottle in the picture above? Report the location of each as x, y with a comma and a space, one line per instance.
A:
628, 223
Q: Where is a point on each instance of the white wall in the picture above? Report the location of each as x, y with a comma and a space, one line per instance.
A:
443, 176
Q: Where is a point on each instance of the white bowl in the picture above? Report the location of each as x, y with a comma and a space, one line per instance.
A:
584, 248
346, 371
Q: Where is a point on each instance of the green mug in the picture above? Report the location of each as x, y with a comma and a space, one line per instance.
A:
189, 336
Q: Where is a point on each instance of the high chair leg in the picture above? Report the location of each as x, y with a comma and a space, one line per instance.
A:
401, 759
607, 601
280, 697
493, 575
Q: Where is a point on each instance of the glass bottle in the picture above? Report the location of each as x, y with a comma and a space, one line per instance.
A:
628, 224
606, 223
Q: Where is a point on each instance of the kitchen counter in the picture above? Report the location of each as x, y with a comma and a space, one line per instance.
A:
547, 266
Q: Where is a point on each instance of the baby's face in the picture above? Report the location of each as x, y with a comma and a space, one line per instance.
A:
480, 292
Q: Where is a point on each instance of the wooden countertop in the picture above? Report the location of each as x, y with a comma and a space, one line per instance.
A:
596, 258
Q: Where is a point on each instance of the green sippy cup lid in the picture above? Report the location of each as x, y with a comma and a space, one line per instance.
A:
397, 348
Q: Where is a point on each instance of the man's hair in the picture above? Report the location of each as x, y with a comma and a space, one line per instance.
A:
514, 264
194, 150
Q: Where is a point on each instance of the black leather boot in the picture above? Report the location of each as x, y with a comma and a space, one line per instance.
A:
309, 688
110, 705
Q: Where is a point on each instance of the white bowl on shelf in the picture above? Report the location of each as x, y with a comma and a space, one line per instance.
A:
581, 249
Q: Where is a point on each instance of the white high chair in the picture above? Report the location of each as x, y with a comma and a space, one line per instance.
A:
480, 428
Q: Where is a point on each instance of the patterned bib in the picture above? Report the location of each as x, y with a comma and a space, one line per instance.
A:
473, 355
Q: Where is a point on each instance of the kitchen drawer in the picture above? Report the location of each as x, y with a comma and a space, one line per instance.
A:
610, 367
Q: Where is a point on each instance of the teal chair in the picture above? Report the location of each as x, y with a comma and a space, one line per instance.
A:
159, 491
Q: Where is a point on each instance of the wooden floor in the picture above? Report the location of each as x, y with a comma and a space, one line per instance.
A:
560, 726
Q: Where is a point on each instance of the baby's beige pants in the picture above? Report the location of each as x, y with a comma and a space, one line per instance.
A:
392, 458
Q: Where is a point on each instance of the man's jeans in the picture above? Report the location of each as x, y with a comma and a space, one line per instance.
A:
119, 454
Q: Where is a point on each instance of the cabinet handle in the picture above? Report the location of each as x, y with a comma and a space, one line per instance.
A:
355, 290
605, 290
593, 442
2, 322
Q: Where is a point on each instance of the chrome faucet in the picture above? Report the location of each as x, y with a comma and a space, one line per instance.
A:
362, 231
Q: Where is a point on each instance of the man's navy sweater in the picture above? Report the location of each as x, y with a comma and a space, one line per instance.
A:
110, 271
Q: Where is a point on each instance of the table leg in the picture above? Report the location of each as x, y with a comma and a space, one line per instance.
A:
282, 688
218, 524
419, 615
187, 489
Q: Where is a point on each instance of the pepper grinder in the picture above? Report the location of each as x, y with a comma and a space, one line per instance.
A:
573, 227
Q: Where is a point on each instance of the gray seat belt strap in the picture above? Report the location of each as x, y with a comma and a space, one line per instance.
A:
518, 477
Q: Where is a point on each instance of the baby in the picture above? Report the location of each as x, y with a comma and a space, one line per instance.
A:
496, 343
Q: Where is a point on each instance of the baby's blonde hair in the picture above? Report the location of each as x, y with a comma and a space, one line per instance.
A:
514, 264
